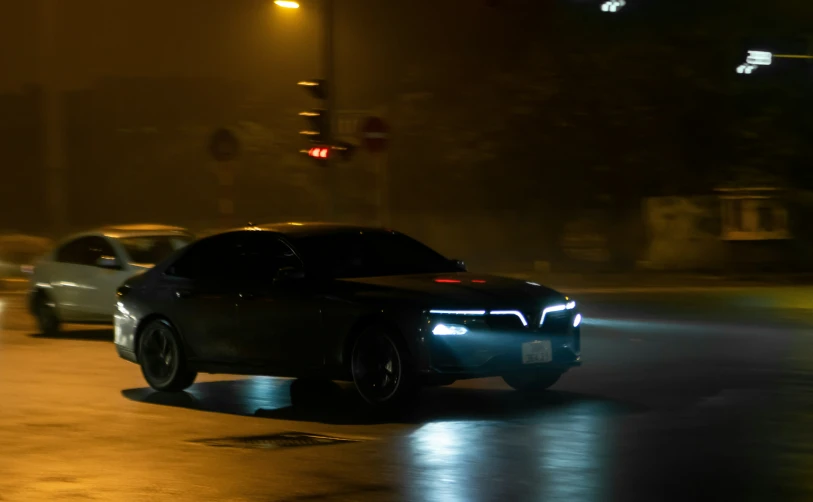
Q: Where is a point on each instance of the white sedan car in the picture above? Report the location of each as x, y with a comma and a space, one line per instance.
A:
77, 281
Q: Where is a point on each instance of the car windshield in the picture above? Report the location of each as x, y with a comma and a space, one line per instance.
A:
153, 249
368, 254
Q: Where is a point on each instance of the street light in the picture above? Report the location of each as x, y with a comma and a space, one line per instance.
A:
613, 5
287, 4
756, 59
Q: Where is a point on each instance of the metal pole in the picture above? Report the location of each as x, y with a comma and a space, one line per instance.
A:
51, 106
328, 56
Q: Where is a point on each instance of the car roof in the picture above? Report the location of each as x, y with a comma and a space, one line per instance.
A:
304, 229
118, 231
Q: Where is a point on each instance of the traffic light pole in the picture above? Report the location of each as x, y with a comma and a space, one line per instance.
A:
328, 57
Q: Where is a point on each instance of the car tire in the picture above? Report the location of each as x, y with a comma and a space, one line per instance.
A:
532, 381
382, 369
46, 314
162, 360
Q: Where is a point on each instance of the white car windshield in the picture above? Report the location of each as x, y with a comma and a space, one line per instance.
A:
153, 249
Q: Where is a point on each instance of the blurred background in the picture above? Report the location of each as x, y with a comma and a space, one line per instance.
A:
542, 135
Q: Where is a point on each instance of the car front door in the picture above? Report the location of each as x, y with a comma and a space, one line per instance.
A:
278, 311
199, 295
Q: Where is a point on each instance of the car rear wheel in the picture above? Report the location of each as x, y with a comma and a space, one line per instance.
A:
46, 314
532, 381
382, 370
160, 354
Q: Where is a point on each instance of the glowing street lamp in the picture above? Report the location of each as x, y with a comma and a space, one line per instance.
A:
613, 5
288, 4
756, 59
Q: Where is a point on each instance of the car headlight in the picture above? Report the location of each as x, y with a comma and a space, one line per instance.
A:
449, 330
577, 320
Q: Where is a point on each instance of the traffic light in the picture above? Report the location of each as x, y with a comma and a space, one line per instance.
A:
318, 126
322, 153
319, 152
318, 130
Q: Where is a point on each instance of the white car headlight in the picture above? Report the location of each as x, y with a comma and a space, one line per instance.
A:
449, 330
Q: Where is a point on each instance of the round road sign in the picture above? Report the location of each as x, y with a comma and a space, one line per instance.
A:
224, 145
375, 133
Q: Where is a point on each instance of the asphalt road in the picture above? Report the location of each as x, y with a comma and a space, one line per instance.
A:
682, 396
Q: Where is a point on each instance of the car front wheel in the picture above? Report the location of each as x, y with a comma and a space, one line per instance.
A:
382, 370
160, 354
532, 381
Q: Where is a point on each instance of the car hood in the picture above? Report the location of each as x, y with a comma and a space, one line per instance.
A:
461, 290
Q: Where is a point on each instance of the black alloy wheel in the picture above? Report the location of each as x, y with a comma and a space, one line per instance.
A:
381, 369
161, 357
47, 317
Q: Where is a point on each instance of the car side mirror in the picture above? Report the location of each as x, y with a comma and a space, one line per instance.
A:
108, 262
460, 265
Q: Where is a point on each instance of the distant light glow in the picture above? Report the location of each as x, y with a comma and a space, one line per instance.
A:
448, 281
747, 69
288, 4
570, 305
449, 330
577, 320
613, 5
532, 283
761, 58
511, 312
458, 312
548, 310
478, 281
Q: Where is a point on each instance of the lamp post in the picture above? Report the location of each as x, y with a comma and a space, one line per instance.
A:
52, 124
329, 83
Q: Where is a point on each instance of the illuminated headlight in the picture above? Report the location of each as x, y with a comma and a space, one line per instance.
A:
570, 305
577, 320
449, 330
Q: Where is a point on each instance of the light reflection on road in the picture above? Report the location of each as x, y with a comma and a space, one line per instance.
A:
560, 454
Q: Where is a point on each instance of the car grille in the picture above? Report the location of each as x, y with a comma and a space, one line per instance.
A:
505, 323
556, 322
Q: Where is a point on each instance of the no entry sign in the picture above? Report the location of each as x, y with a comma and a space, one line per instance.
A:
375, 134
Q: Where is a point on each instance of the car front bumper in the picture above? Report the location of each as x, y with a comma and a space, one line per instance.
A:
497, 352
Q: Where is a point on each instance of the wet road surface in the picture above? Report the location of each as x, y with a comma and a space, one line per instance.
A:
682, 396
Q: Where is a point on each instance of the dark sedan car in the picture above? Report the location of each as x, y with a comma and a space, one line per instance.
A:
338, 302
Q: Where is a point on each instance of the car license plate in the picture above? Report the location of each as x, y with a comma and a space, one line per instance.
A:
537, 352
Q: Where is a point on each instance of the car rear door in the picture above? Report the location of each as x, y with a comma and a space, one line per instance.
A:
63, 275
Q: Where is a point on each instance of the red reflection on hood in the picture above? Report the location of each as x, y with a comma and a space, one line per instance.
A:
448, 281
478, 281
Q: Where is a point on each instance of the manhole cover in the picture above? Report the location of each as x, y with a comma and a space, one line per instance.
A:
273, 441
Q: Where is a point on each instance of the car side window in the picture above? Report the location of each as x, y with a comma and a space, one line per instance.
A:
72, 252
97, 248
238, 256
85, 251
261, 256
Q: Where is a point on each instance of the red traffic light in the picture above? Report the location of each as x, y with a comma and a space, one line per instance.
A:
318, 152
